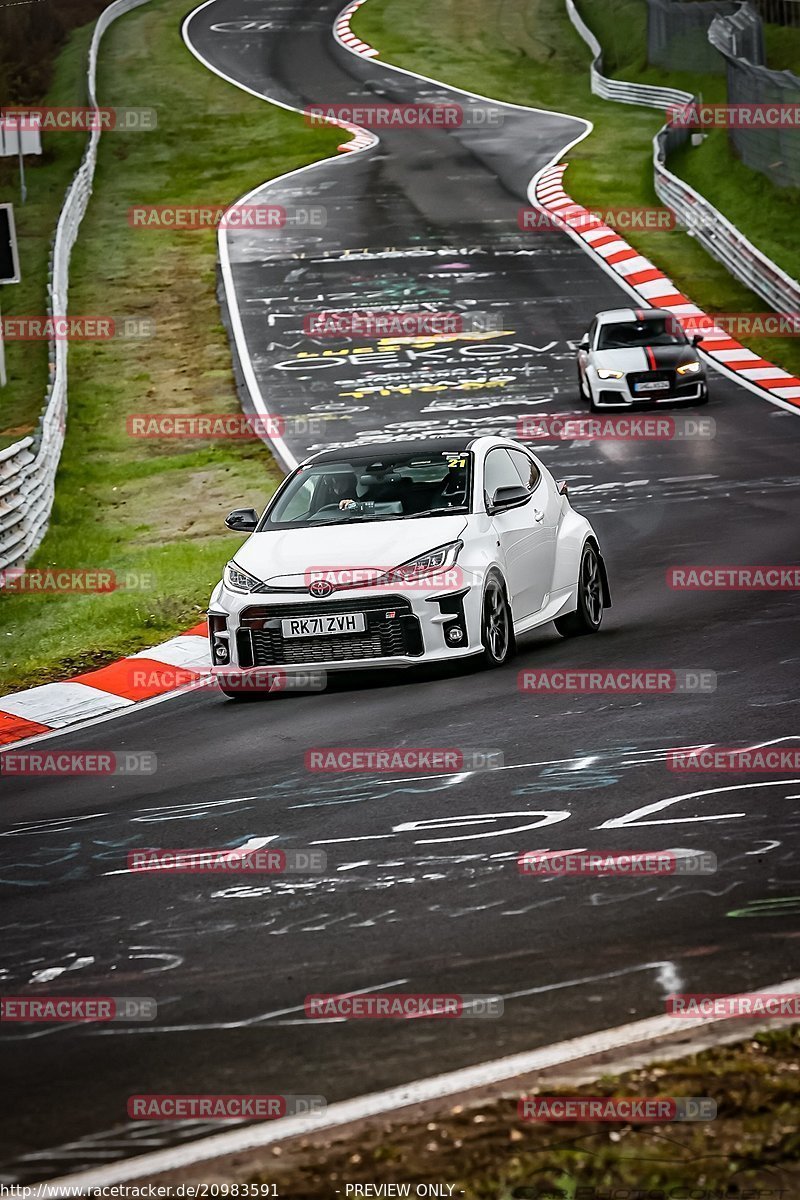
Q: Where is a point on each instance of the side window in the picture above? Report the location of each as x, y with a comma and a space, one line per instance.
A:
591, 333
526, 468
499, 471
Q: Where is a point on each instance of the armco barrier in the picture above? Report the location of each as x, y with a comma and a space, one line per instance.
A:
28, 468
714, 232
618, 89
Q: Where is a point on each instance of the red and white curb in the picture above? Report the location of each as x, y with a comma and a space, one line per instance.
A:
656, 290
344, 33
109, 689
362, 139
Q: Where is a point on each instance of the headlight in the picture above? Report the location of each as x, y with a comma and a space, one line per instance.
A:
604, 373
238, 580
425, 564
689, 368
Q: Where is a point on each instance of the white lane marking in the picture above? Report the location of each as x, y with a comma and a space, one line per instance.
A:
622, 1038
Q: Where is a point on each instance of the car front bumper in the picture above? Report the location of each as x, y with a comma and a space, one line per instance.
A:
404, 628
622, 393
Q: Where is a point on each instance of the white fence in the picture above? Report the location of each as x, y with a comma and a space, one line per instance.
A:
711, 229
28, 468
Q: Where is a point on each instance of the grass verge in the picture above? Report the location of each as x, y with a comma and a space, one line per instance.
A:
766, 214
529, 53
486, 1152
151, 511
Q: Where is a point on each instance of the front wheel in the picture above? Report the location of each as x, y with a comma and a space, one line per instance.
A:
588, 616
497, 633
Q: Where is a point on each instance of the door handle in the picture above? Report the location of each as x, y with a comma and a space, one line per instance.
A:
538, 515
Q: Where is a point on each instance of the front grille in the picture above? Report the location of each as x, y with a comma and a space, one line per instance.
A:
260, 642
651, 377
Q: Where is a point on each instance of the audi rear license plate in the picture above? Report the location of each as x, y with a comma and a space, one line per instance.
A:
653, 385
329, 626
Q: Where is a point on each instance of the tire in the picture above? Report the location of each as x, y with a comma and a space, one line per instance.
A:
581, 392
497, 631
588, 616
588, 396
585, 392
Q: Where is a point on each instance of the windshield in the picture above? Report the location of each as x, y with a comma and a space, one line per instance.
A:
387, 488
656, 331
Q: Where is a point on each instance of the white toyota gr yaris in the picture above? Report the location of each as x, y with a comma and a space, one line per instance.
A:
398, 553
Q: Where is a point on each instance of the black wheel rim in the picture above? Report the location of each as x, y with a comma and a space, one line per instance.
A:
496, 623
592, 586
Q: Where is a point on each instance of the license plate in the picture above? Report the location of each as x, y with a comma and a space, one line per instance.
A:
655, 385
297, 627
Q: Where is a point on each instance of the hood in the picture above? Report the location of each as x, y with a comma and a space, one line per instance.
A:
283, 557
645, 358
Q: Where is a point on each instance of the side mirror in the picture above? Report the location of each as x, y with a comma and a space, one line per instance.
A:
243, 520
697, 338
507, 497
562, 487
583, 344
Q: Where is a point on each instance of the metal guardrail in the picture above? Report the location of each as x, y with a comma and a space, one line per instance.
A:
28, 468
618, 89
713, 231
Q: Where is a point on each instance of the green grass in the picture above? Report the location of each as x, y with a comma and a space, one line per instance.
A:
151, 507
530, 54
782, 44
766, 214
47, 176
485, 1152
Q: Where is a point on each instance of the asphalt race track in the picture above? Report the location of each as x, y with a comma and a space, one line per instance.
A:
421, 891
